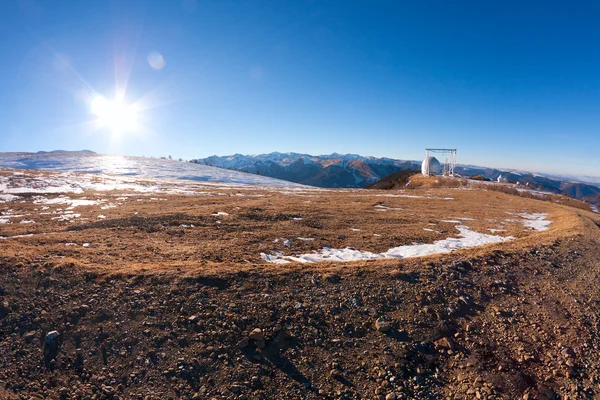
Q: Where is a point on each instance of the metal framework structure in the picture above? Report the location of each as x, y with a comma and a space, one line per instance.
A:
447, 159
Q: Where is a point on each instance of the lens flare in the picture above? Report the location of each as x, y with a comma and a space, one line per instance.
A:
156, 61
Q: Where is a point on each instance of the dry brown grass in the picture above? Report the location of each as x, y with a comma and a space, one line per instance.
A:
420, 181
555, 198
144, 233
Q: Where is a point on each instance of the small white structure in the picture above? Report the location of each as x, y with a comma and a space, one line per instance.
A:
431, 166
502, 179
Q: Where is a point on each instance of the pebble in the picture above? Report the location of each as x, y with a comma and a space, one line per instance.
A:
51, 336
445, 342
256, 334
382, 326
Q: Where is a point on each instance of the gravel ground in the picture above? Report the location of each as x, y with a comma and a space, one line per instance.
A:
504, 325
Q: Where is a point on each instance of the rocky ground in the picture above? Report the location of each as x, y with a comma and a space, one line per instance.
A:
504, 325
507, 321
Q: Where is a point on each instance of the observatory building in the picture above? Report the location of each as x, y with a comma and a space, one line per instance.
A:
431, 166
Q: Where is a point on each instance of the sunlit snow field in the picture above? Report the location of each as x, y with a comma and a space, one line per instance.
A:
132, 167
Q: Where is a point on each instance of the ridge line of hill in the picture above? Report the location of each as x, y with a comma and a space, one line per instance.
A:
356, 171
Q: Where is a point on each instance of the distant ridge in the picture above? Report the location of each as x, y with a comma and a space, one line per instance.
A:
356, 171
331, 170
66, 151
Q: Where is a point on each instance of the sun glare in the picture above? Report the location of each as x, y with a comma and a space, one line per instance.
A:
114, 114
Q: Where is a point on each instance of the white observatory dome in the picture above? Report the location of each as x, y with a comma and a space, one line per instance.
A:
431, 166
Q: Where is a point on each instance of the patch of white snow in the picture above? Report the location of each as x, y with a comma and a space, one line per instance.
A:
467, 239
5, 198
536, 221
274, 258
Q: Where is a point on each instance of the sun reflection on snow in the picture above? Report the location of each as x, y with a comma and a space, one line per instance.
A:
117, 165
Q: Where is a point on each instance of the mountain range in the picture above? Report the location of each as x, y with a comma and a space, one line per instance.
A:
330, 171
356, 171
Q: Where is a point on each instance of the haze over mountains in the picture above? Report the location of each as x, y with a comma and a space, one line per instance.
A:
356, 171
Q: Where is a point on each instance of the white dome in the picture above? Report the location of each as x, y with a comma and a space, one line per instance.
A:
431, 166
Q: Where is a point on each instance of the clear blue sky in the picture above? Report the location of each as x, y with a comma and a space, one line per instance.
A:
509, 83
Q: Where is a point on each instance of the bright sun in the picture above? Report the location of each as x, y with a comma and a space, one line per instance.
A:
115, 114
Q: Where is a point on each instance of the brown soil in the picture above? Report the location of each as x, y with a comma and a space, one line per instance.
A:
151, 309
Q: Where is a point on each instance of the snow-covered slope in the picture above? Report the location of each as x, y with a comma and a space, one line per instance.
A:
88, 162
332, 170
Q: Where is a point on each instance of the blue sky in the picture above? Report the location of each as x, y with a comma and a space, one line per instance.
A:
510, 84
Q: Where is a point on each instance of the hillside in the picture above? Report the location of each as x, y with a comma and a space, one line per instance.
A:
355, 171
414, 179
245, 291
593, 199
127, 167
329, 171
397, 180
579, 191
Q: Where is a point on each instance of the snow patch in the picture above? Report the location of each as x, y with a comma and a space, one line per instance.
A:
385, 207
16, 236
66, 200
536, 221
467, 239
276, 258
5, 198
67, 217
